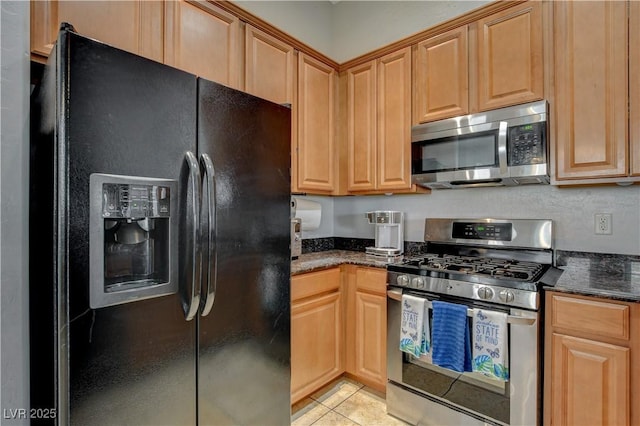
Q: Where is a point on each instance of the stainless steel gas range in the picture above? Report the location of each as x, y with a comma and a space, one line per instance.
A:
488, 264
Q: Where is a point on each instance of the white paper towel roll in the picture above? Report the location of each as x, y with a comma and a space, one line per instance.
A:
310, 213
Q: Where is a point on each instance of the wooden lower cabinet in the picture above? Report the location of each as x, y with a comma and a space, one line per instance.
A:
366, 325
338, 326
590, 382
592, 348
316, 331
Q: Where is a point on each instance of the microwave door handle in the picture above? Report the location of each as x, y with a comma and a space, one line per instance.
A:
502, 148
209, 234
191, 301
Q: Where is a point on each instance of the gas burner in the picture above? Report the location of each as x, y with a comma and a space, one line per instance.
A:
493, 267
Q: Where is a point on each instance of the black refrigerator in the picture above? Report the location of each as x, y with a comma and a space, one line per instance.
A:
159, 245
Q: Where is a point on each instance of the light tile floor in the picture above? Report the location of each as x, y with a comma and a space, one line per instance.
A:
344, 402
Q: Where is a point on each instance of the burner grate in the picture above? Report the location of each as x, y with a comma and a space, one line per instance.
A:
493, 267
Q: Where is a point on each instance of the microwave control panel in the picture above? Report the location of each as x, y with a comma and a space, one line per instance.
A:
527, 144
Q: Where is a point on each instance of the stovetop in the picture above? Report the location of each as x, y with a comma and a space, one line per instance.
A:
507, 282
498, 261
488, 270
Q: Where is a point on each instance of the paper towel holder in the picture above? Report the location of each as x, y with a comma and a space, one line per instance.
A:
308, 211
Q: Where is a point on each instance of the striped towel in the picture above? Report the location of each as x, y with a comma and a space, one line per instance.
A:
450, 336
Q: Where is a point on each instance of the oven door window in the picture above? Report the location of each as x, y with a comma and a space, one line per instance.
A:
470, 391
460, 152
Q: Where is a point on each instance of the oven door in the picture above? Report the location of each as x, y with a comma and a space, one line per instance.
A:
420, 392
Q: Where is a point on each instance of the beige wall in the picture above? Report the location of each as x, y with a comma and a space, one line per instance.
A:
347, 29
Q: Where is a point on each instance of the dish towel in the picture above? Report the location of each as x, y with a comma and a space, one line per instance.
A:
450, 336
490, 346
414, 326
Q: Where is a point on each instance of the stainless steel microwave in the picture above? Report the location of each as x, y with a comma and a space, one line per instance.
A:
502, 147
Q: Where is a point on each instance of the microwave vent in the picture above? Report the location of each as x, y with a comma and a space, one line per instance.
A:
530, 180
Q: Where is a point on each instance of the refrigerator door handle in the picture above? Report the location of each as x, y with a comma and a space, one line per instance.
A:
191, 302
209, 234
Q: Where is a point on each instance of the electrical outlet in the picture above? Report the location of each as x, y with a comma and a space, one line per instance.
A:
603, 223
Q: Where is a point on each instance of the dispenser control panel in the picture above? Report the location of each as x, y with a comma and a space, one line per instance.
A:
135, 201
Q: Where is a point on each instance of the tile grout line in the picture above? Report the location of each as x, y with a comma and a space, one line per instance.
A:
335, 412
361, 387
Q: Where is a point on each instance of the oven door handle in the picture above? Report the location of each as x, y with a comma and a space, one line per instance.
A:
511, 319
395, 295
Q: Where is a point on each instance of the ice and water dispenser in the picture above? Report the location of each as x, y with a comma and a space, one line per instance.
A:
133, 239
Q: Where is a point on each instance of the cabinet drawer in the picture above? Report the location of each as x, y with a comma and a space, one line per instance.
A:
590, 316
371, 280
309, 284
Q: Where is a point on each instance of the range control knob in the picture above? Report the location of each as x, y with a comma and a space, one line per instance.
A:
485, 293
417, 282
403, 280
506, 296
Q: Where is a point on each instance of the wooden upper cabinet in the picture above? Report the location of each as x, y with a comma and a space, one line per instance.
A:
634, 86
510, 57
591, 82
202, 39
491, 63
134, 26
394, 120
269, 67
316, 97
361, 127
441, 76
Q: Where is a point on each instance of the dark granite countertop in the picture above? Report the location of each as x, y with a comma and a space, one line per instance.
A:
602, 275
327, 259
592, 274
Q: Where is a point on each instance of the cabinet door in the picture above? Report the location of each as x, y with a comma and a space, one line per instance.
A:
316, 348
269, 67
591, 89
134, 26
371, 338
441, 77
634, 89
590, 382
509, 57
394, 121
202, 39
316, 94
361, 127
